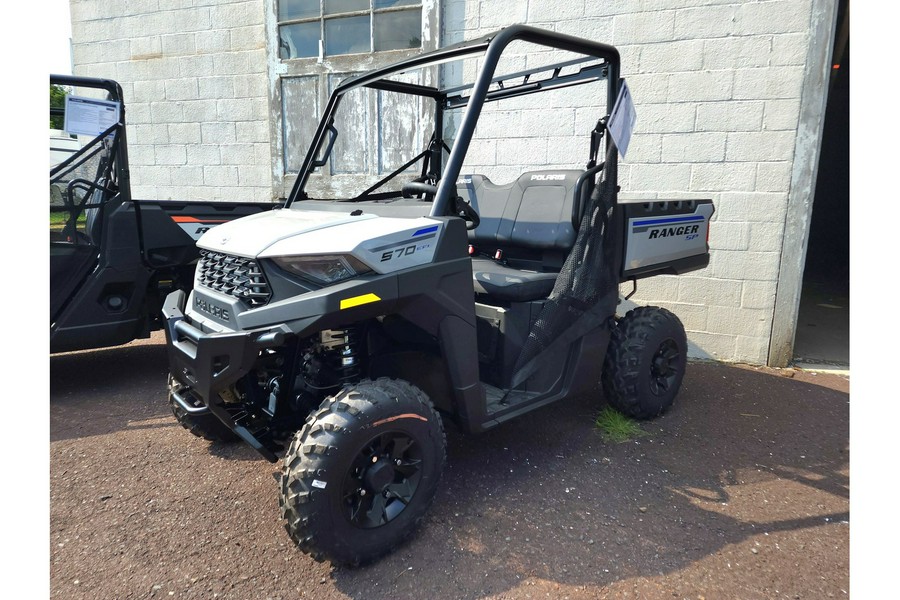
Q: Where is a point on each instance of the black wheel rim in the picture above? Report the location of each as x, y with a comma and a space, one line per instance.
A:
382, 480
663, 371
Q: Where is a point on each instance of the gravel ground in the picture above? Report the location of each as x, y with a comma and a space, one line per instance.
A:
741, 491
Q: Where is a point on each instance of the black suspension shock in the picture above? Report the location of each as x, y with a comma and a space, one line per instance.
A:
346, 344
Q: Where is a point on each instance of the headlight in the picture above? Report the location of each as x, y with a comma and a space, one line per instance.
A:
324, 270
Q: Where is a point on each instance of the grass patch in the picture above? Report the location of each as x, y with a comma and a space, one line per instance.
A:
58, 221
616, 427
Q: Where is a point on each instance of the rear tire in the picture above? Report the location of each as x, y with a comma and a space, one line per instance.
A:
645, 362
205, 426
361, 473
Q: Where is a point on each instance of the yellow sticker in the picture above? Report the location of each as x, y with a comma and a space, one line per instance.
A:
358, 300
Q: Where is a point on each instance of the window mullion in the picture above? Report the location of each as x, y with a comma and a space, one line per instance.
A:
295, 21
321, 54
301, 28
352, 13
400, 8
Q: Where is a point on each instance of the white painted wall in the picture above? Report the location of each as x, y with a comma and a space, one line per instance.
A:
717, 86
193, 73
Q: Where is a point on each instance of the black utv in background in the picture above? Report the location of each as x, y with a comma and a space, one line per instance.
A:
339, 333
113, 259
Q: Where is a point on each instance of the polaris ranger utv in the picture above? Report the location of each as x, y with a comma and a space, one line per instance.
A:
114, 259
347, 327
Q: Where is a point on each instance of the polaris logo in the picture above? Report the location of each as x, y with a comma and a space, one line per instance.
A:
554, 177
673, 231
211, 309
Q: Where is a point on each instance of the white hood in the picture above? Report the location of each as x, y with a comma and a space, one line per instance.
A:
251, 235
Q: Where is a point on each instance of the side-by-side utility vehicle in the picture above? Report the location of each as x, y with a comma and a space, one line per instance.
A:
114, 259
341, 329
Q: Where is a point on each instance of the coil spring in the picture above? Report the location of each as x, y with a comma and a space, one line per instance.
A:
345, 342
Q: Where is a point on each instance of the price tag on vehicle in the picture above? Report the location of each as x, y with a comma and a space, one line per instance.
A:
622, 120
88, 116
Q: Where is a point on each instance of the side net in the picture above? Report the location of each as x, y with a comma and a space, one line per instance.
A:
586, 290
78, 184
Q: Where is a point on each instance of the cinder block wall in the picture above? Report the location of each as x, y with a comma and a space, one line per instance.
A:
193, 73
717, 86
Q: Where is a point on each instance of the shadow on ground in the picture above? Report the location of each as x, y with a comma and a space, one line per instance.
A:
740, 491
545, 500
100, 391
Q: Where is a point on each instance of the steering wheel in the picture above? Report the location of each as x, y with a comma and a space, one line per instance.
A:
416, 188
465, 212
461, 208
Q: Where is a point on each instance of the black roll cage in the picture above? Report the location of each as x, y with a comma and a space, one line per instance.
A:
120, 153
472, 96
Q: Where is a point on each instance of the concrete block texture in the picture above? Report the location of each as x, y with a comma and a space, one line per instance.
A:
643, 27
730, 116
717, 86
713, 292
737, 52
671, 57
195, 69
703, 22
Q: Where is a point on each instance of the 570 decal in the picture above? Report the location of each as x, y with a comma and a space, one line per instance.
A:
408, 247
404, 251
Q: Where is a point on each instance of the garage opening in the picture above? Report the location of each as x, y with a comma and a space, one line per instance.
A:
823, 323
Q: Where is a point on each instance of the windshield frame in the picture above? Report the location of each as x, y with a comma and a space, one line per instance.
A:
492, 47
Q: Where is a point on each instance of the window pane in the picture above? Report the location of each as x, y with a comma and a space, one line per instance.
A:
395, 30
347, 35
300, 111
390, 3
401, 121
297, 9
299, 40
341, 6
351, 149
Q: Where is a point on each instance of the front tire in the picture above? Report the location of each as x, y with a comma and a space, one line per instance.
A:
361, 473
645, 362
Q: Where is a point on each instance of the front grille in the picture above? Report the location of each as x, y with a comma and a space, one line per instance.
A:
235, 276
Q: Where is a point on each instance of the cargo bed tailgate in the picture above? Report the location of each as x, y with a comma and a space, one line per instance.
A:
665, 237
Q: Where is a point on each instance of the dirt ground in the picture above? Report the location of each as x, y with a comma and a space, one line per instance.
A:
741, 491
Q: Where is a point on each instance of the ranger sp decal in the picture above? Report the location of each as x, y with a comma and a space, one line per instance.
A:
688, 227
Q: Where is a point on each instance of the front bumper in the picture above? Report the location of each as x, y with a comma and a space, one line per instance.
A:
210, 362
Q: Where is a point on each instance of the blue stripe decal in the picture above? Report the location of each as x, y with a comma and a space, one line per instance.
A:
667, 221
426, 230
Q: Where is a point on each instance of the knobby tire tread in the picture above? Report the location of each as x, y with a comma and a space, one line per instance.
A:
319, 439
623, 368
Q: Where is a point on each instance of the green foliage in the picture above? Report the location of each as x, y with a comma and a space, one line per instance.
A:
57, 100
616, 427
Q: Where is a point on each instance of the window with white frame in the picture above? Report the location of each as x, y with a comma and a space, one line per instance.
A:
316, 28
319, 43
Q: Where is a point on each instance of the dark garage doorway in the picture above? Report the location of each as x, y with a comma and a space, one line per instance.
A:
823, 323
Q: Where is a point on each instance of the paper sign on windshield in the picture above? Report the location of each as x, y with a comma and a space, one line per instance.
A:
622, 120
88, 116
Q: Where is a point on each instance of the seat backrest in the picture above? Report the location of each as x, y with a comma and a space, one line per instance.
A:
535, 211
489, 201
